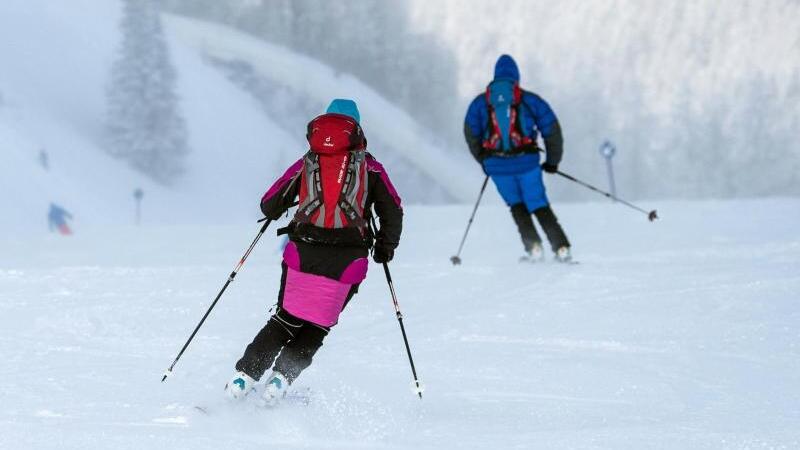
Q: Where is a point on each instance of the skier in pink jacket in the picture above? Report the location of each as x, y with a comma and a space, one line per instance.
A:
337, 183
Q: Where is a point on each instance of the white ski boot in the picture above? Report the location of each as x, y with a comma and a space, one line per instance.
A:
563, 255
275, 389
535, 254
240, 385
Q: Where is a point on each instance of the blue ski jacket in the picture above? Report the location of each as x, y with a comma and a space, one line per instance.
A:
535, 117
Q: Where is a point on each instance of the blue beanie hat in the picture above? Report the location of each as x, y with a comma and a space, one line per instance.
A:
346, 107
506, 67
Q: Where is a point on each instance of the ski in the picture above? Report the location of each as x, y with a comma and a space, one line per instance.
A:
294, 397
536, 262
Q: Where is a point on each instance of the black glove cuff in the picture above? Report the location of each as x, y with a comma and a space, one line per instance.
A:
550, 168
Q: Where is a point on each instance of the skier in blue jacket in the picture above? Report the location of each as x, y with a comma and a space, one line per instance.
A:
501, 129
57, 219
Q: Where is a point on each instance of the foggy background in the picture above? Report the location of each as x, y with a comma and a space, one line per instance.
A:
205, 102
701, 98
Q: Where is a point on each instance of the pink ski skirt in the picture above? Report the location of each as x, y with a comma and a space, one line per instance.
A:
316, 298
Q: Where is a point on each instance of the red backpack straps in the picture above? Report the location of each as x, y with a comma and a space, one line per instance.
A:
333, 190
353, 196
492, 141
517, 137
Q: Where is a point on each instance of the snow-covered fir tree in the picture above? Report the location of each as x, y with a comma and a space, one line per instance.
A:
144, 122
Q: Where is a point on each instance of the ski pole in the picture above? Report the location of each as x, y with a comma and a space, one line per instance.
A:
651, 215
456, 259
399, 315
225, 286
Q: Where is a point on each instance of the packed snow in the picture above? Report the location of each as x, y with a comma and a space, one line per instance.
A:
683, 333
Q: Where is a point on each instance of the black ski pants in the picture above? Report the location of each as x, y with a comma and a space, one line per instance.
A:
547, 220
293, 341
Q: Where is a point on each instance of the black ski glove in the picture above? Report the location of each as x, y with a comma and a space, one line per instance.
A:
382, 254
550, 168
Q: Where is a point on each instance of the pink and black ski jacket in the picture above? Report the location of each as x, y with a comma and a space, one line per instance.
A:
322, 267
381, 194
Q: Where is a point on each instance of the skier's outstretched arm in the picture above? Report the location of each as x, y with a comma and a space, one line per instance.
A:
282, 193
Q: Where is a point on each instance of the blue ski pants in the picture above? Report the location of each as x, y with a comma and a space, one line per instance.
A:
526, 187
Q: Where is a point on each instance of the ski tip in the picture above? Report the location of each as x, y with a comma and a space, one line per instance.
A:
455, 260
652, 216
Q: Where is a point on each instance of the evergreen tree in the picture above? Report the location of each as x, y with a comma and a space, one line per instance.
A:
144, 123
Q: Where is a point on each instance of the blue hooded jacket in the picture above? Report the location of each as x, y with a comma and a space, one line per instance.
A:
535, 117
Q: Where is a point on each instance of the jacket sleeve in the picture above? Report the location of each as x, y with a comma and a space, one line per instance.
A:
547, 123
475, 126
388, 207
282, 193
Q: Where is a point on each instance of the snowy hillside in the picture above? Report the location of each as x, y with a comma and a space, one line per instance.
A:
55, 60
394, 136
681, 334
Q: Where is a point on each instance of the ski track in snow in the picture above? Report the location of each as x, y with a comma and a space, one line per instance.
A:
678, 334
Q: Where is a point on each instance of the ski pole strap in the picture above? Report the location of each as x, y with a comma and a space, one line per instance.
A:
287, 229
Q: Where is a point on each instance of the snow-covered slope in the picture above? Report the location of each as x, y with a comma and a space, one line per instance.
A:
682, 334
55, 60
